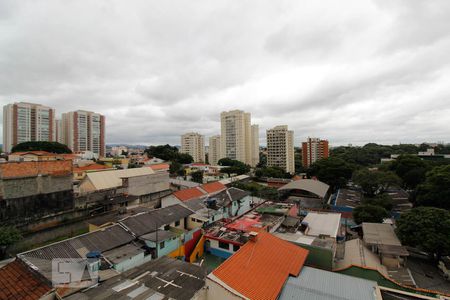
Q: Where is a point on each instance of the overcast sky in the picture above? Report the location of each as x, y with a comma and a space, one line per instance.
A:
348, 71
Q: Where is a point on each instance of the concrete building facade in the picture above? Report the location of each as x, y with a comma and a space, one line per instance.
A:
255, 145
214, 154
24, 122
84, 131
280, 148
193, 144
313, 150
236, 136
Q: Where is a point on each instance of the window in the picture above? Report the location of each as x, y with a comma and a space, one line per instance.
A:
161, 245
236, 248
177, 223
224, 245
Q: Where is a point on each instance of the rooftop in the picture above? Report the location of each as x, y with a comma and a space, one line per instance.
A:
213, 187
113, 178
17, 281
91, 167
35, 168
120, 254
324, 285
379, 234
313, 186
159, 235
260, 268
147, 222
163, 278
189, 194
322, 224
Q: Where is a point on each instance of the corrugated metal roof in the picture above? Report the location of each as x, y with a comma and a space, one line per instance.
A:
113, 178
379, 234
313, 186
150, 221
315, 284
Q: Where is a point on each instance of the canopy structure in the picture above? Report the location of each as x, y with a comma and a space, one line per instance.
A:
315, 187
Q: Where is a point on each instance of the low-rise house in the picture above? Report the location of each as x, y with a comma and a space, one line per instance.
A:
164, 278
126, 257
18, 281
79, 172
195, 192
381, 239
259, 270
160, 167
33, 189
33, 156
324, 285
144, 183
322, 224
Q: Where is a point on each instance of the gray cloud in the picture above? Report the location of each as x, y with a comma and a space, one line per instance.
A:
374, 71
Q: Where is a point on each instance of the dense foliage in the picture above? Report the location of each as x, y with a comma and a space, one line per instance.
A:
374, 182
258, 190
435, 191
271, 172
233, 166
411, 169
369, 213
52, 147
169, 153
383, 200
197, 176
8, 236
333, 171
427, 228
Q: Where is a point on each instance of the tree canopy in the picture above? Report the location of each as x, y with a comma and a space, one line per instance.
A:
233, 166
435, 191
169, 153
333, 171
52, 147
272, 172
369, 213
374, 182
411, 169
8, 236
383, 200
426, 228
197, 176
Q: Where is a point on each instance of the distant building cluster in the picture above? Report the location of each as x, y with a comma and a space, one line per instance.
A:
79, 130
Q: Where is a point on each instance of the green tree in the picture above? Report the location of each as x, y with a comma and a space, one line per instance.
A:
233, 166
175, 167
8, 236
184, 158
52, 147
197, 176
427, 228
383, 200
369, 213
333, 171
374, 182
411, 169
272, 172
168, 153
435, 191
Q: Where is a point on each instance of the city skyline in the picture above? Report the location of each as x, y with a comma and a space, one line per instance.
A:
373, 72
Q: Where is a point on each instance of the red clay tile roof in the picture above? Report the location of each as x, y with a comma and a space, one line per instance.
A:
213, 187
35, 168
158, 167
188, 194
90, 167
38, 153
259, 269
17, 281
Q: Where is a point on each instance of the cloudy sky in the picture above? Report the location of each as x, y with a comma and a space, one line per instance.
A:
349, 71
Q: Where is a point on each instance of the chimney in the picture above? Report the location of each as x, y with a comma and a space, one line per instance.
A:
253, 236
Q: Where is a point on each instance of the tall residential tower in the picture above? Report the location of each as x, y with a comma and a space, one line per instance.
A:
214, 154
25, 122
236, 137
280, 148
84, 131
193, 144
313, 150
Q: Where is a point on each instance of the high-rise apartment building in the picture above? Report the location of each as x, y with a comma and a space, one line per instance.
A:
280, 148
214, 154
58, 131
313, 150
193, 144
255, 145
24, 122
84, 131
236, 136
